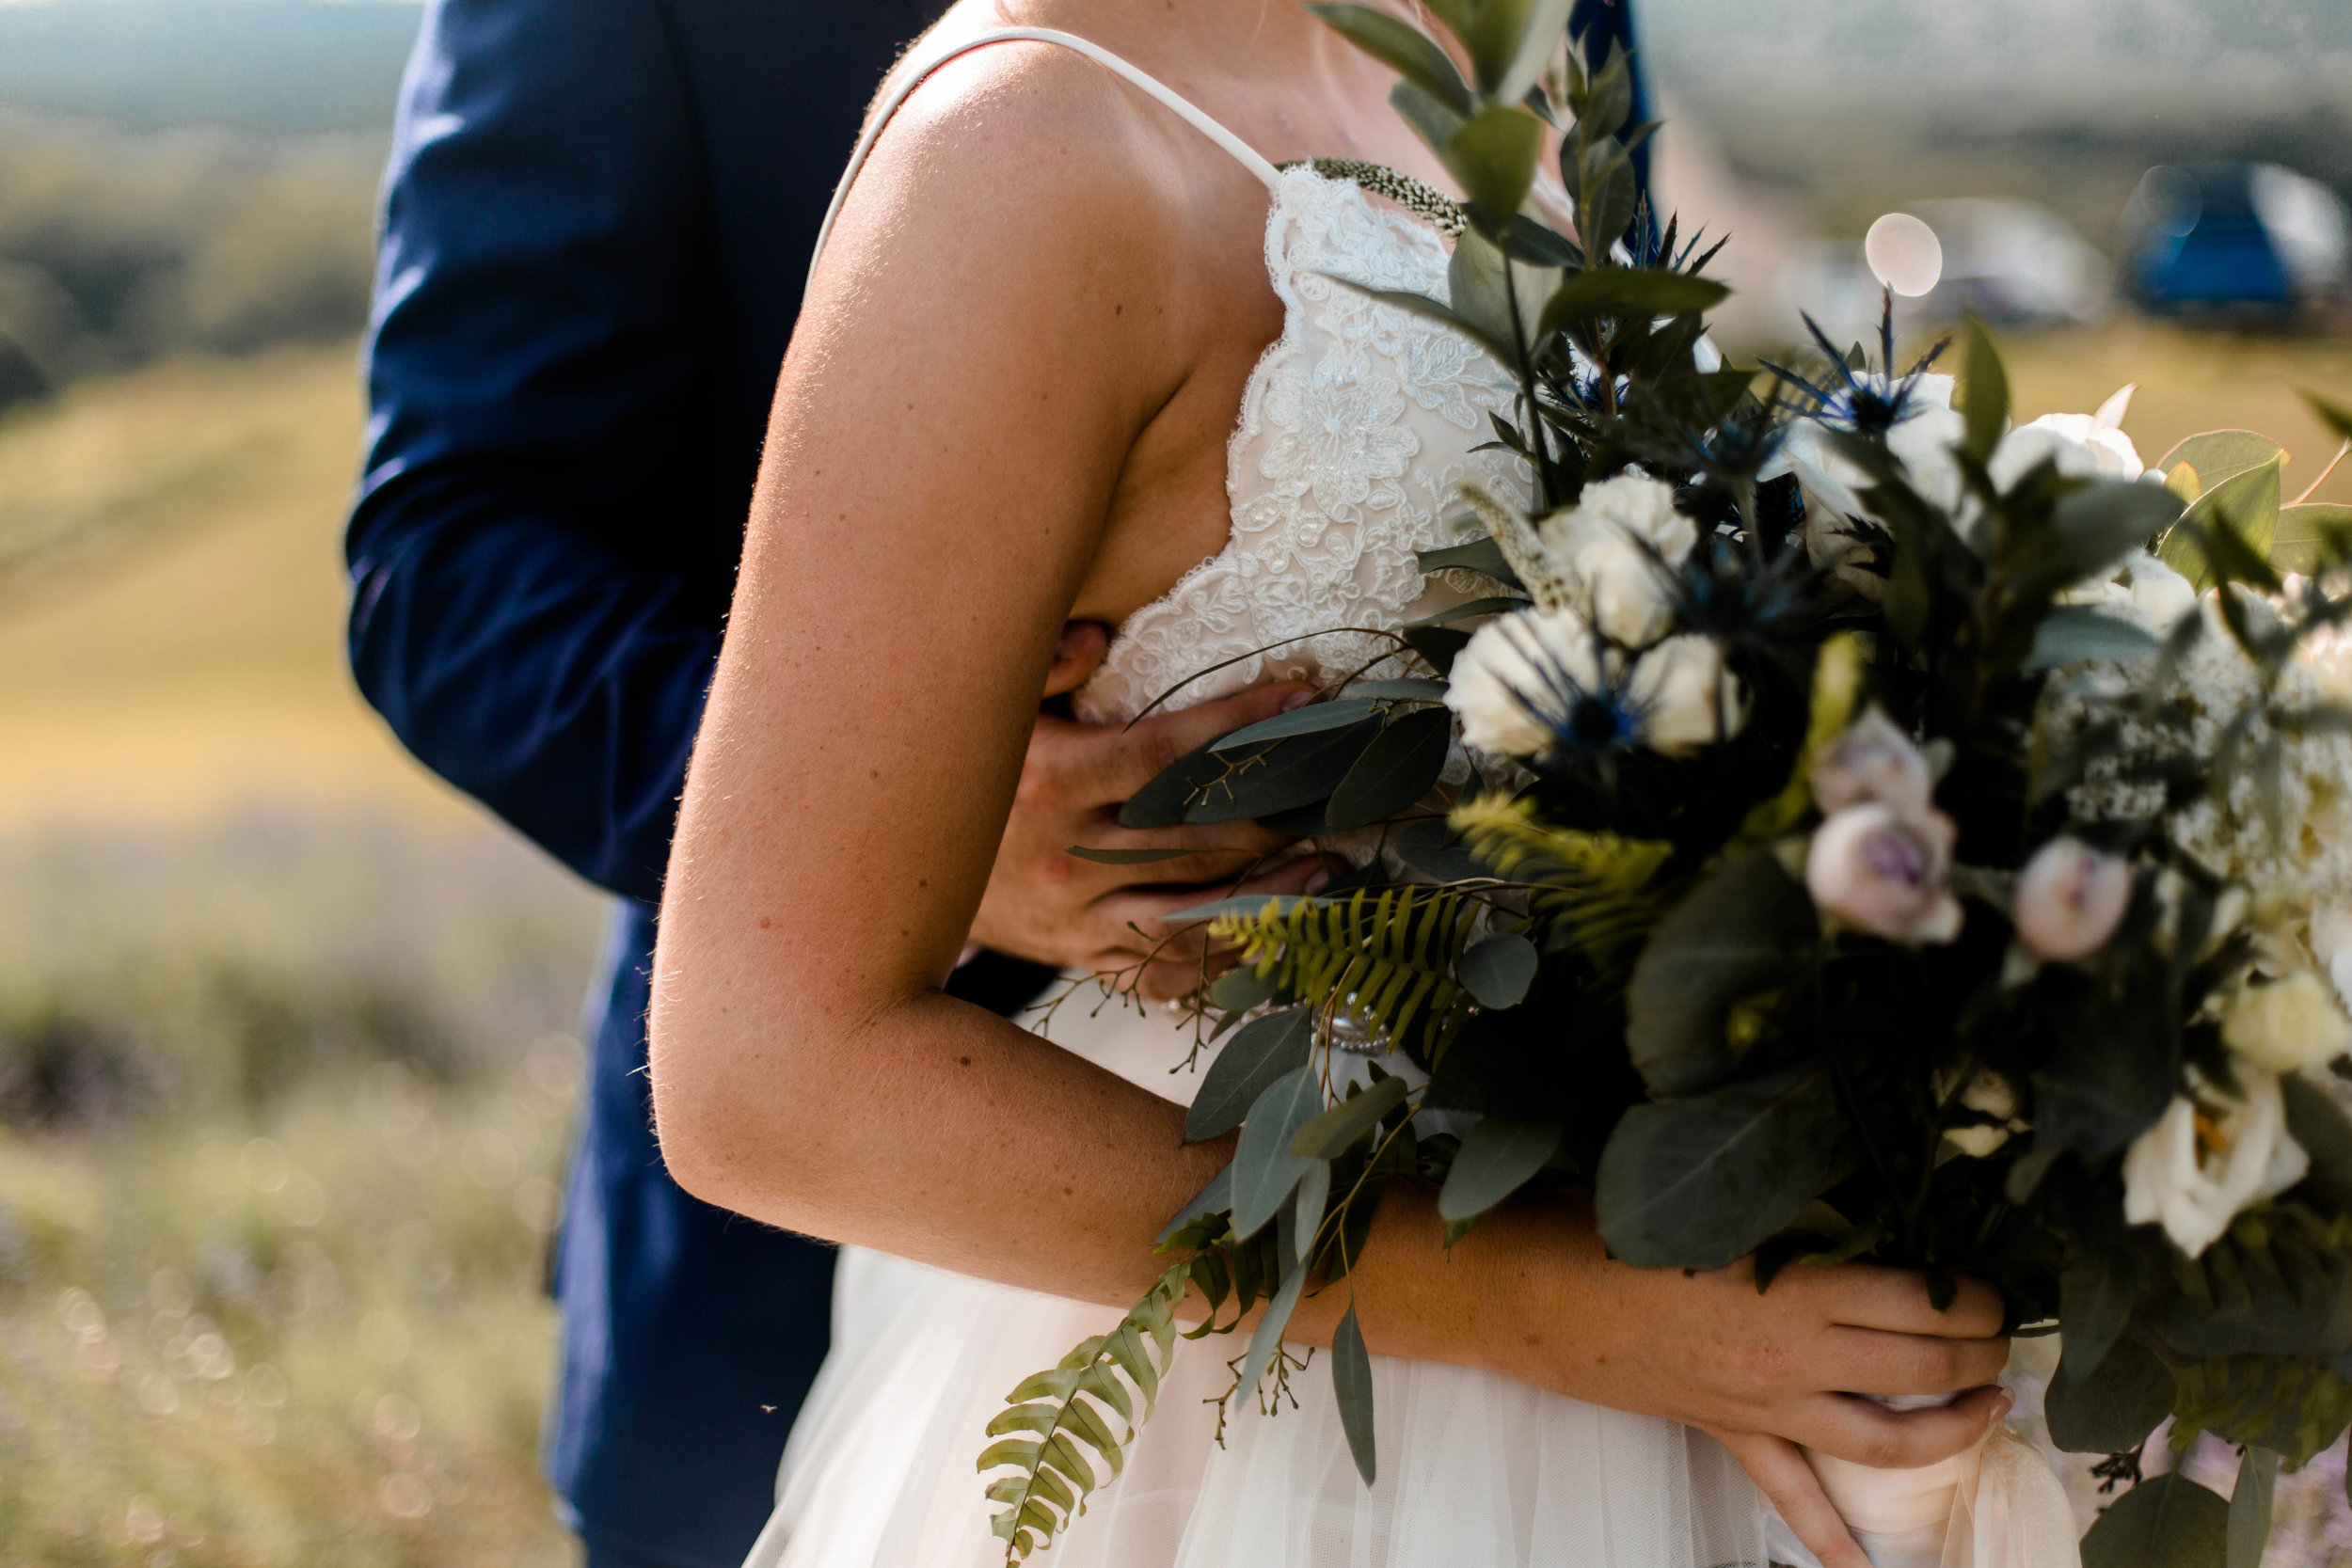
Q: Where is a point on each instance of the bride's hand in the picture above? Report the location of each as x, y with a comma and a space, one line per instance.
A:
1760, 1372
1048, 905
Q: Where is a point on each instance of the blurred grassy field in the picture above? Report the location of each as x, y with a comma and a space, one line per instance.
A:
287, 1055
286, 1066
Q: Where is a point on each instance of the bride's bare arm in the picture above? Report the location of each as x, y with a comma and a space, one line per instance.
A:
1012, 312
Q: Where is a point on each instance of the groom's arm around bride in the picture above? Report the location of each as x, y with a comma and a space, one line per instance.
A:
598, 213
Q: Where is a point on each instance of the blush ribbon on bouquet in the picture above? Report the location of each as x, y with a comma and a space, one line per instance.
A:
1994, 1505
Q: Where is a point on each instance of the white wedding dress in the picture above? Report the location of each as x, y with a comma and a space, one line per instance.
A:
1356, 429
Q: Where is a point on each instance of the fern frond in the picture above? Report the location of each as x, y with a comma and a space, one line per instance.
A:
1607, 889
1385, 959
1067, 1411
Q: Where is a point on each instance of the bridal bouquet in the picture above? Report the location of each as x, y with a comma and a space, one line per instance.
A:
1841, 826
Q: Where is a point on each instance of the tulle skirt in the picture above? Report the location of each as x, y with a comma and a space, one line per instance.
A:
1476, 1470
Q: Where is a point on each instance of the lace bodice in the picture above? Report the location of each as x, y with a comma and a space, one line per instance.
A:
1357, 428
1355, 431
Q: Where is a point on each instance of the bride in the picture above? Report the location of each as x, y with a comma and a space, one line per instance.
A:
1072, 353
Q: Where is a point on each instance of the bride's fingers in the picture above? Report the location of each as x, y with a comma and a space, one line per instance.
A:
1864, 1295
1868, 1433
1782, 1475
1872, 1362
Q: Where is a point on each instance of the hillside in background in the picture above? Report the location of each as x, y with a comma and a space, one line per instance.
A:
264, 65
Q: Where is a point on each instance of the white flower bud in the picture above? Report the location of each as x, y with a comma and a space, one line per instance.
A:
1872, 761
1886, 872
2194, 1173
2288, 1024
1617, 546
1686, 696
1506, 680
2070, 899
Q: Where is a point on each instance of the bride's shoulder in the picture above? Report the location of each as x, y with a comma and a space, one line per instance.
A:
1021, 118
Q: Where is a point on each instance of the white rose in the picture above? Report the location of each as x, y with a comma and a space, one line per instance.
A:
1603, 545
1507, 684
1886, 872
1685, 696
2287, 1025
1872, 761
2070, 899
2082, 447
2195, 1173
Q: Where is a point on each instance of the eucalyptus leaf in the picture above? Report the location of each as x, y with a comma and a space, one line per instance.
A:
1268, 1338
1470, 610
1497, 1158
1329, 1134
1435, 850
2249, 1507
2100, 523
1411, 689
1264, 1052
2124, 1398
2167, 1521
2333, 415
2097, 1290
1413, 53
1305, 1215
1239, 990
1400, 766
1734, 936
1265, 1169
1298, 720
2311, 536
1503, 300
1987, 394
1217, 1195
1498, 969
1479, 555
1702, 1181
1293, 773
2247, 505
2071, 633
1351, 1386
1432, 117
1640, 292
1161, 804
2218, 454
1252, 904
1437, 646
1541, 26
1493, 156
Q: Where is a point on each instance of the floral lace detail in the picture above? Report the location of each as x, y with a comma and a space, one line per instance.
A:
1356, 433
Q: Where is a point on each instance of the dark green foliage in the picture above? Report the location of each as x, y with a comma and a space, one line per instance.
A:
2166, 1522
2126, 1396
1701, 1181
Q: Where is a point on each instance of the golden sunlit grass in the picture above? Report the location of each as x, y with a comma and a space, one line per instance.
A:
172, 597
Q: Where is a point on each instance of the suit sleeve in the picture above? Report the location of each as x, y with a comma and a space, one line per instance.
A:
533, 354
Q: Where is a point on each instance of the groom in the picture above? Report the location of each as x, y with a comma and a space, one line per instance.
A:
597, 214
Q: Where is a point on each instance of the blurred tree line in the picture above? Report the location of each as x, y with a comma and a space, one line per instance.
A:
117, 246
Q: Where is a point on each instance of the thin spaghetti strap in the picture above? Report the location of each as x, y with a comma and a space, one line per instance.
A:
1247, 156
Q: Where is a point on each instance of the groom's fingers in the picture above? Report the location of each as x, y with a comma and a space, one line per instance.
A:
1782, 1475
1111, 764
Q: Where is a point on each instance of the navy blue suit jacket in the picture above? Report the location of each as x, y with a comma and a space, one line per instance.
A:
597, 216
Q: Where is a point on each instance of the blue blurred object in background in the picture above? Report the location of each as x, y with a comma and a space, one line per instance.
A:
2239, 240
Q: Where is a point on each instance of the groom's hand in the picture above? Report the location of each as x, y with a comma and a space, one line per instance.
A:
1049, 906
